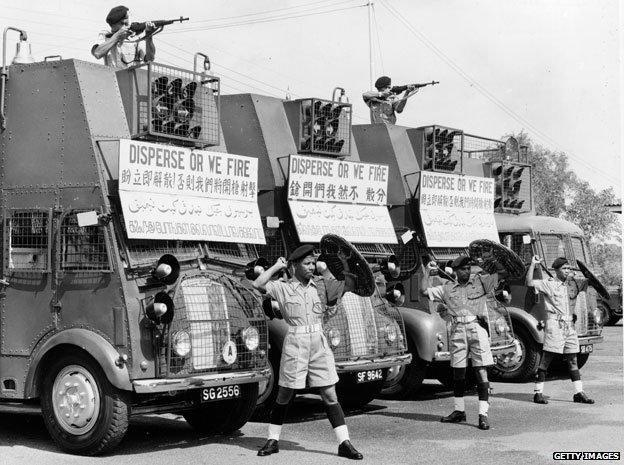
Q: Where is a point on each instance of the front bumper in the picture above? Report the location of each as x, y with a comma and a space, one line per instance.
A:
150, 386
585, 340
372, 364
445, 356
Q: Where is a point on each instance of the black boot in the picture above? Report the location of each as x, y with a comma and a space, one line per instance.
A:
346, 449
271, 447
582, 398
454, 417
539, 398
483, 422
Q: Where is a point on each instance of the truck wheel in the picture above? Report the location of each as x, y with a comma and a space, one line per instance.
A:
523, 367
608, 316
226, 416
353, 395
409, 379
82, 411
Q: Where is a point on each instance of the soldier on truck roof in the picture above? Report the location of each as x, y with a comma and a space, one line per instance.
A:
560, 335
114, 45
383, 103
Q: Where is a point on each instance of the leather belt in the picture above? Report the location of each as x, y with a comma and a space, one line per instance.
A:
303, 329
464, 319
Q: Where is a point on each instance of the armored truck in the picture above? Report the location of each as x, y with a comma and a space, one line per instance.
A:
125, 229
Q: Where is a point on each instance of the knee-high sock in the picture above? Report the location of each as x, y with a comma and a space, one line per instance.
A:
483, 389
278, 414
337, 420
539, 380
459, 387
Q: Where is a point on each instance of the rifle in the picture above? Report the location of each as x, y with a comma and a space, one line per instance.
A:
138, 28
399, 89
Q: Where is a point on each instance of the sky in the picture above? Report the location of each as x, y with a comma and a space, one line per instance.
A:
552, 68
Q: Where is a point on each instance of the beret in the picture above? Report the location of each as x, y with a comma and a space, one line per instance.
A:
116, 14
301, 252
461, 261
383, 81
559, 262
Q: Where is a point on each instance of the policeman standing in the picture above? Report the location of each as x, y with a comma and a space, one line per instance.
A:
306, 356
560, 335
465, 309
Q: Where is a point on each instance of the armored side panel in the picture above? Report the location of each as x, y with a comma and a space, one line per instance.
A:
50, 170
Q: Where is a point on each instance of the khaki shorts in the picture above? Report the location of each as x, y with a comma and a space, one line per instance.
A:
470, 341
307, 361
560, 337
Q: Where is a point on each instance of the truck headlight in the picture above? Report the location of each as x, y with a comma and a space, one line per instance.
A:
251, 338
598, 317
391, 333
501, 326
334, 337
181, 343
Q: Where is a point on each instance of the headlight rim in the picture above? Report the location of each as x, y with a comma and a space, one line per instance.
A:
175, 343
391, 333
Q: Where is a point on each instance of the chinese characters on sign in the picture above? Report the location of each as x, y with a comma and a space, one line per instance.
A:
456, 209
170, 192
339, 197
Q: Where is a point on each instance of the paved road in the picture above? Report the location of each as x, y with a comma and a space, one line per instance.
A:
387, 432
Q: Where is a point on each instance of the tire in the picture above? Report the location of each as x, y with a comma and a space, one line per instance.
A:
608, 315
409, 382
226, 416
525, 368
353, 395
102, 416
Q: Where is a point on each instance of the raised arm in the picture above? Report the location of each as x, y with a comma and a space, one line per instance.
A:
100, 50
399, 105
425, 282
529, 276
262, 280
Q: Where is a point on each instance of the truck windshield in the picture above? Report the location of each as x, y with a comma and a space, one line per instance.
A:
553, 246
581, 251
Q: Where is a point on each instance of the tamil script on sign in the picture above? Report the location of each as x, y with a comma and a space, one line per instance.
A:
456, 209
170, 192
356, 223
328, 180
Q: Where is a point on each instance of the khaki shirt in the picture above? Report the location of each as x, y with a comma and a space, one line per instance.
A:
304, 305
559, 294
467, 299
124, 54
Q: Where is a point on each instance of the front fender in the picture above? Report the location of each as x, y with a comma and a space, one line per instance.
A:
421, 328
92, 343
520, 317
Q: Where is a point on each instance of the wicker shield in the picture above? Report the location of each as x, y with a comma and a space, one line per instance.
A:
593, 281
330, 245
492, 256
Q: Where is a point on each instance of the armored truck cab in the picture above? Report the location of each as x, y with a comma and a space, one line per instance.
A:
120, 255
367, 334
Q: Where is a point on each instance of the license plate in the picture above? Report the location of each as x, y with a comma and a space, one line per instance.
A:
588, 349
215, 394
369, 375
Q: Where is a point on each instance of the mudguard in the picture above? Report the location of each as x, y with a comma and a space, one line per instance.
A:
92, 343
520, 317
421, 329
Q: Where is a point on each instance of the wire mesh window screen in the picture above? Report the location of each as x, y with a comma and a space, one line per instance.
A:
374, 250
145, 252
230, 251
184, 105
578, 247
553, 246
515, 243
82, 249
325, 127
275, 247
28, 234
